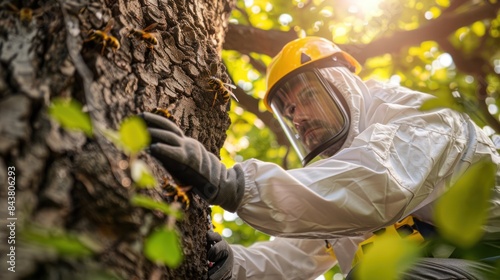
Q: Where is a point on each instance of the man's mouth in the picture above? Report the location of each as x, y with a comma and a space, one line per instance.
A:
313, 135
310, 131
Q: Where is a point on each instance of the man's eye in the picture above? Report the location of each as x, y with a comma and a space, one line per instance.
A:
289, 111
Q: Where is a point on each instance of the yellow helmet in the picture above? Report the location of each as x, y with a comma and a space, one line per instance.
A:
299, 53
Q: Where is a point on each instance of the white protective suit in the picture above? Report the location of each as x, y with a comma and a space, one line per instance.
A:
395, 162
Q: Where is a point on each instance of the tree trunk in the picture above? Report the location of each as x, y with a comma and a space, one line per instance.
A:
69, 185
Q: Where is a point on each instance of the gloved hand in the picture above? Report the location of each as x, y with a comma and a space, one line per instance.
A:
192, 165
221, 254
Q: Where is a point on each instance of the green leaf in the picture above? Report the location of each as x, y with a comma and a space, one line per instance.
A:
142, 175
389, 256
163, 246
134, 135
69, 114
149, 203
61, 242
463, 209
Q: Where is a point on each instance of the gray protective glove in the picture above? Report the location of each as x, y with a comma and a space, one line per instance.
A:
221, 256
192, 165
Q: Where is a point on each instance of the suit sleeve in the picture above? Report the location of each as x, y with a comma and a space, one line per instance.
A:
282, 259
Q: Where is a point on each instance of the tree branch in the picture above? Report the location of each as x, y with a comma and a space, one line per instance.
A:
270, 42
454, 5
434, 30
267, 42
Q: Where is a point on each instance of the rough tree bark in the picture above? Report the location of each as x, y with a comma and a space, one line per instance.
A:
66, 182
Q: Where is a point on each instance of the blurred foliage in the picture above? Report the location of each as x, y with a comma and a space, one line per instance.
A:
141, 174
468, 219
444, 68
250, 138
395, 253
149, 203
134, 135
164, 247
59, 241
69, 114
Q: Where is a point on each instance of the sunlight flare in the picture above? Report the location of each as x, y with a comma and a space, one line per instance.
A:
364, 6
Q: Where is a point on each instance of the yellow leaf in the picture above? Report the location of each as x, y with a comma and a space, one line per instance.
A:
435, 12
478, 28
443, 3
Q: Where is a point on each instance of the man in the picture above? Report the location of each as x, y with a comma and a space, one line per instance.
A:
371, 159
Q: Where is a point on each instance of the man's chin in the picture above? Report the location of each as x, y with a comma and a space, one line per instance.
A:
329, 151
313, 144
316, 136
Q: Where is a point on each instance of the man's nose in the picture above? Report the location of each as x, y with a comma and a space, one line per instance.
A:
299, 117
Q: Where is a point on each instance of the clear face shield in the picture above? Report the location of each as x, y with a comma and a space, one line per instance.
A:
311, 114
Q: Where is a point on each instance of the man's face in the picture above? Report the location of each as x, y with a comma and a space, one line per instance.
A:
311, 109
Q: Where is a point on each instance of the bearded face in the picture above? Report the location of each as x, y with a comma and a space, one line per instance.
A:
310, 110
